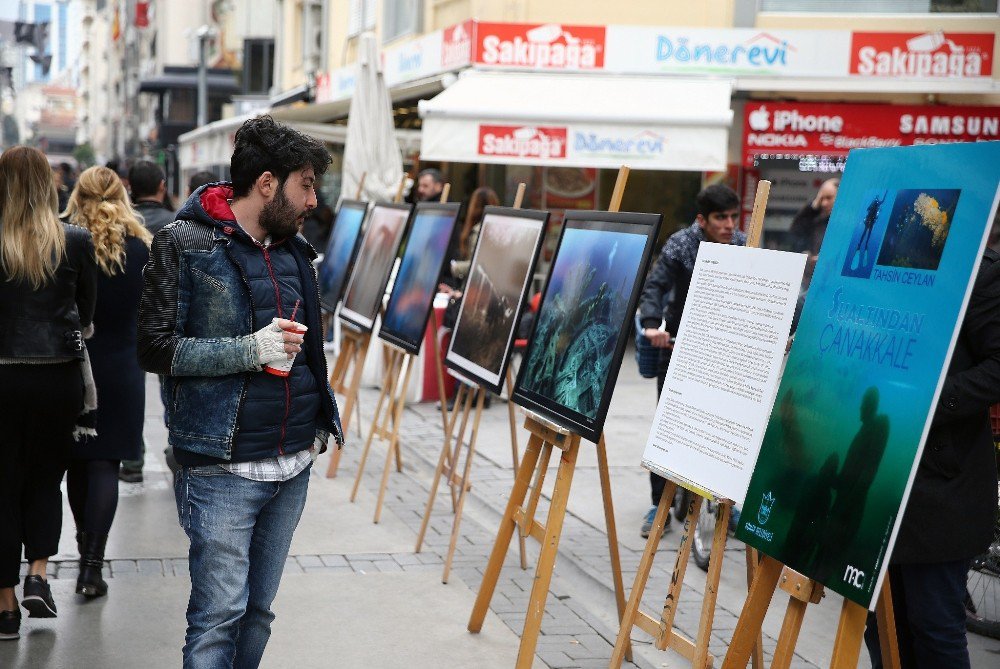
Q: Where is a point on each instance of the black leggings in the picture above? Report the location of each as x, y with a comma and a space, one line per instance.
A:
93, 494
38, 409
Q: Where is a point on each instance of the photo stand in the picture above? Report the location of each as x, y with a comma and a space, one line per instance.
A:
662, 629
468, 395
388, 415
546, 436
351, 360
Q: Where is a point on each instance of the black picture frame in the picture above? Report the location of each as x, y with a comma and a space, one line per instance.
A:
466, 328
413, 292
369, 278
344, 237
537, 378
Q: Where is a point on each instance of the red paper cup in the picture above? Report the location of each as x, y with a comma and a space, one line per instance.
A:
283, 368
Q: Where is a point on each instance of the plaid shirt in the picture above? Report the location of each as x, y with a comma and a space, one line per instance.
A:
280, 468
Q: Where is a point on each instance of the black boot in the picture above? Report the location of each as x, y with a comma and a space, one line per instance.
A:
90, 583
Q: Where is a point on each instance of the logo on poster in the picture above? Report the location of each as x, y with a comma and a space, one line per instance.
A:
932, 54
763, 50
764, 511
854, 576
641, 145
456, 46
551, 46
522, 141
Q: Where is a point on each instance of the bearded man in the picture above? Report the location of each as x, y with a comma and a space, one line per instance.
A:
223, 287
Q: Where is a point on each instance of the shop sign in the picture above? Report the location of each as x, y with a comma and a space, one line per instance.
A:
336, 85
456, 46
834, 129
551, 46
934, 54
524, 142
644, 144
741, 52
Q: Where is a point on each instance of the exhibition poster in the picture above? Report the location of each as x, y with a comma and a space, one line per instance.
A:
871, 350
575, 350
420, 270
363, 297
495, 293
724, 368
341, 250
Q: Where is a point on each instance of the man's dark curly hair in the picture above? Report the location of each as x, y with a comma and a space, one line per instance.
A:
265, 146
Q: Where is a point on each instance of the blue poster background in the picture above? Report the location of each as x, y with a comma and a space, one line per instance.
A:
875, 335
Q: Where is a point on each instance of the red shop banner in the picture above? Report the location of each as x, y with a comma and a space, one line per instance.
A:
550, 46
801, 129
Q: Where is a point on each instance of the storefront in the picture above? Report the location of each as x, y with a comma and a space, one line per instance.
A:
798, 145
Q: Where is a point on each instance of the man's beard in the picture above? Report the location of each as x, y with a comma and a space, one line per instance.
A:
278, 218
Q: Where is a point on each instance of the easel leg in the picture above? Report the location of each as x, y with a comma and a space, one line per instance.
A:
442, 463
513, 452
547, 559
397, 418
642, 575
680, 568
504, 534
701, 657
457, 445
847, 645
337, 382
753, 559
439, 370
887, 627
751, 620
609, 521
465, 485
388, 382
789, 635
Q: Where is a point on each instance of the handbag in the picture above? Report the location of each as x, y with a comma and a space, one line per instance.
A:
651, 360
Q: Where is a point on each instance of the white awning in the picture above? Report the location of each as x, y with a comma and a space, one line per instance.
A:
582, 120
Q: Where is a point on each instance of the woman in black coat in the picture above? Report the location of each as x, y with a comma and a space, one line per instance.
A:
121, 244
47, 280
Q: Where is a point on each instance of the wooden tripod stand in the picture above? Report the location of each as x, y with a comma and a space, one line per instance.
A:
544, 438
345, 378
448, 463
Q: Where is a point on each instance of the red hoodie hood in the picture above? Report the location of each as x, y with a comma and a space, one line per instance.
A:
215, 203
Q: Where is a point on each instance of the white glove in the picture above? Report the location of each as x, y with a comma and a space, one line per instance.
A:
270, 344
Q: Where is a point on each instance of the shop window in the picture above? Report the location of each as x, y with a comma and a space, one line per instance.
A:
881, 6
400, 18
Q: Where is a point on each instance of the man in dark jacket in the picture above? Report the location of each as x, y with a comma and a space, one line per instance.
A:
666, 287
149, 190
809, 225
222, 289
950, 515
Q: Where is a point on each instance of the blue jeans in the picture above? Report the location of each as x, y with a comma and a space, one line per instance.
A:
240, 532
929, 605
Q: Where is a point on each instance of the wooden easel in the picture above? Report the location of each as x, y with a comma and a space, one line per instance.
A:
395, 385
803, 591
447, 466
351, 361
545, 437
662, 629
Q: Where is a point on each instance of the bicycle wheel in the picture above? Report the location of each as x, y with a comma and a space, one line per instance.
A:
704, 532
982, 602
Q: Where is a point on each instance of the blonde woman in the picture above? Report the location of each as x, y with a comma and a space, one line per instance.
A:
47, 293
100, 204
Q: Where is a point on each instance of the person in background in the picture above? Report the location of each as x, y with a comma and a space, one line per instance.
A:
62, 191
199, 179
221, 290
100, 204
809, 225
950, 514
318, 224
149, 192
47, 295
68, 176
666, 289
430, 183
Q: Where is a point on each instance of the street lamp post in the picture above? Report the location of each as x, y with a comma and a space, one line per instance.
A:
204, 34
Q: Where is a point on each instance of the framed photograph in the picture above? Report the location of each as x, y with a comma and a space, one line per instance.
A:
342, 249
420, 270
571, 365
495, 294
386, 226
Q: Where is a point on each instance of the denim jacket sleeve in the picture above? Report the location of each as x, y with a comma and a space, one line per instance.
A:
162, 347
